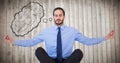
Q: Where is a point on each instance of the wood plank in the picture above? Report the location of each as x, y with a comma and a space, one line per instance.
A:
99, 11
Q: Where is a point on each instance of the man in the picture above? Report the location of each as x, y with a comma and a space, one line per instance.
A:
59, 40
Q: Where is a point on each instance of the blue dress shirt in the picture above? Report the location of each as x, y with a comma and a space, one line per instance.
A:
68, 34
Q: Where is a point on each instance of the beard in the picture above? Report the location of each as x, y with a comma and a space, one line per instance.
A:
58, 22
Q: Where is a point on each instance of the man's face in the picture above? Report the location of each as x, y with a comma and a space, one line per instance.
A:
58, 17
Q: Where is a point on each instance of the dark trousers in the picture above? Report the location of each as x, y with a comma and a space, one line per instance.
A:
43, 57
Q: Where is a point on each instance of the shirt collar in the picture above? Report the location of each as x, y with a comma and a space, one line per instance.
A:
62, 27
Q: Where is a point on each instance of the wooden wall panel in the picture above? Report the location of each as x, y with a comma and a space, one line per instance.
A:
93, 18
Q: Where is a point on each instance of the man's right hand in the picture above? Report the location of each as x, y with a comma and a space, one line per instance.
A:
8, 39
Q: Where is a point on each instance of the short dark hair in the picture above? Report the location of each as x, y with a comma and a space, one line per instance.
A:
59, 8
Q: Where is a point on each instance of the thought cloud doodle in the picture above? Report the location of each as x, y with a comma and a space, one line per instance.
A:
27, 19
45, 20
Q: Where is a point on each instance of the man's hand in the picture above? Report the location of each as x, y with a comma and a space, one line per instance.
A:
8, 39
110, 35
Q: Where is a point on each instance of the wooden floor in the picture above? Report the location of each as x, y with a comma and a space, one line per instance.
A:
94, 18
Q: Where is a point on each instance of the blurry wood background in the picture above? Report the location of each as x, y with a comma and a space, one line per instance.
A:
93, 18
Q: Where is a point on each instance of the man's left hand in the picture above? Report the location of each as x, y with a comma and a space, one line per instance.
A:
110, 35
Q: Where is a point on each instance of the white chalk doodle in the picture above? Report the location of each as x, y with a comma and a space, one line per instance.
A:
27, 19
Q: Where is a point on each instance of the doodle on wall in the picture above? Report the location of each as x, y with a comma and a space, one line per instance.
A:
27, 19
45, 20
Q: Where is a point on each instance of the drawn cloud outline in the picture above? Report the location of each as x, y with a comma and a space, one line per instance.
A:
21, 35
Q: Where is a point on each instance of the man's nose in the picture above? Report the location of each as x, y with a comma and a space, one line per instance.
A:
58, 17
